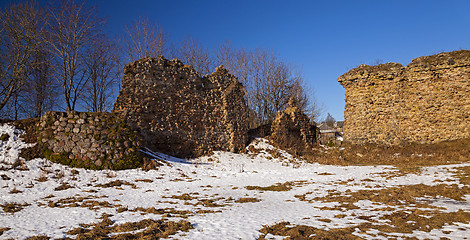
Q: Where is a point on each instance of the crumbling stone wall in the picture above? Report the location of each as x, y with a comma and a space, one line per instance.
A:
89, 140
292, 128
427, 101
181, 113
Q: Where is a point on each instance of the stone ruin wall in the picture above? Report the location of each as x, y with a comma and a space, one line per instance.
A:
427, 101
292, 127
89, 140
179, 112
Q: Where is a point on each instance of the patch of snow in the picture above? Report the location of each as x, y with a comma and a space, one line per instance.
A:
222, 177
9, 150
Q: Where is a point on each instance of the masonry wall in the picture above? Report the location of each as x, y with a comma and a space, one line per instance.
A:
181, 113
293, 128
89, 140
425, 102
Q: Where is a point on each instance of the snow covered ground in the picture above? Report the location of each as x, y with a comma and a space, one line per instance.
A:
223, 196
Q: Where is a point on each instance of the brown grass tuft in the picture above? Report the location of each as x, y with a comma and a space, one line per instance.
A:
278, 187
184, 196
464, 175
39, 237
42, 177
15, 190
150, 229
4, 229
116, 183
13, 207
144, 180
307, 232
5, 177
20, 165
246, 200
62, 187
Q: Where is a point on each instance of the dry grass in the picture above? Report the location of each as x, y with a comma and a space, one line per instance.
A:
116, 183
185, 197
247, 200
122, 209
84, 202
144, 180
167, 212
3, 229
147, 229
5, 177
42, 177
59, 174
15, 190
307, 232
403, 156
63, 186
20, 165
39, 237
278, 187
4, 137
202, 201
408, 208
402, 195
464, 175
418, 220
209, 203
13, 207
408, 155
399, 222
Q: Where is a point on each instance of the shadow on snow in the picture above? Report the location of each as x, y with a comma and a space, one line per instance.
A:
167, 158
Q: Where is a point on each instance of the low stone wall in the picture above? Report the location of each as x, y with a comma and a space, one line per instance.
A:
89, 140
427, 101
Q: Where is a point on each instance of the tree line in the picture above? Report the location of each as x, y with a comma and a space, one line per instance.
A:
58, 57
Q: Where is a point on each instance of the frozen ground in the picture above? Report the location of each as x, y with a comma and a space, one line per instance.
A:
223, 196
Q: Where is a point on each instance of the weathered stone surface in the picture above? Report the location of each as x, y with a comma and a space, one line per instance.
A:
82, 144
427, 101
293, 128
181, 113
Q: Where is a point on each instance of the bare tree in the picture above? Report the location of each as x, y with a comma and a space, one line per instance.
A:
306, 99
243, 66
224, 55
272, 84
21, 27
72, 28
103, 71
144, 39
269, 81
40, 93
330, 121
237, 61
193, 53
299, 92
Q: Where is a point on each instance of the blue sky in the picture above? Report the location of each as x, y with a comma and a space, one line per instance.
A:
323, 38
